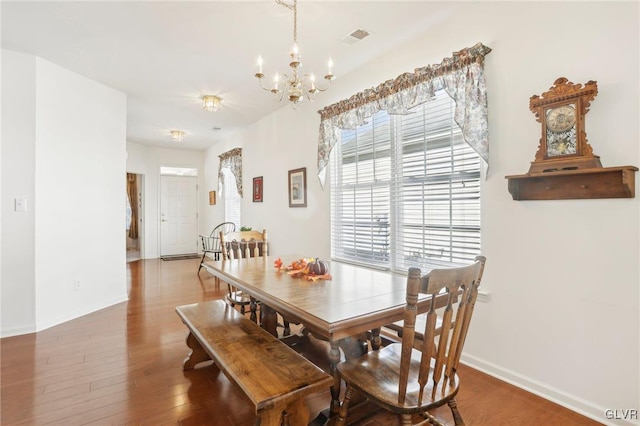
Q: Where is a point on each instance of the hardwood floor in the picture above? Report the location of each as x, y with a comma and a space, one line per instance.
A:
122, 366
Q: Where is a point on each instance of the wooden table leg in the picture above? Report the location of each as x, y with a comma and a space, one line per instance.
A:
334, 359
269, 319
197, 354
253, 307
352, 347
376, 340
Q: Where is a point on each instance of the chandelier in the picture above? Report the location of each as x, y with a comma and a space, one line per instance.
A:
294, 87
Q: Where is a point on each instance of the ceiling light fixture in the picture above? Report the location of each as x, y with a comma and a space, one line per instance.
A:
177, 135
295, 87
211, 103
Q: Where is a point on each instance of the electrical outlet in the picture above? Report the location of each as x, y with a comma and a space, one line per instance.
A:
484, 296
76, 285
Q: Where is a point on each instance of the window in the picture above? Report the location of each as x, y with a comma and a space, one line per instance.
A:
178, 171
231, 198
405, 191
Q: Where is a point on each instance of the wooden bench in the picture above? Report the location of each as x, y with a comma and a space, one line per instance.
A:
272, 375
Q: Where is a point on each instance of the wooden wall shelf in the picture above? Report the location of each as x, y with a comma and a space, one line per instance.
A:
599, 182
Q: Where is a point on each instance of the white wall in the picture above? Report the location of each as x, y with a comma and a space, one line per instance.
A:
18, 180
270, 148
69, 160
563, 276
147, 160
213, 215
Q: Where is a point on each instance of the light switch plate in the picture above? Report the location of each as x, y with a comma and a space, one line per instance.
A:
21, 204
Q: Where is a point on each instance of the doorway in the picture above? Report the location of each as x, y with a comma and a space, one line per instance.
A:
134, 228
178, 216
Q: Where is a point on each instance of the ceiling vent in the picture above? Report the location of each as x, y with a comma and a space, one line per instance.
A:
355, 36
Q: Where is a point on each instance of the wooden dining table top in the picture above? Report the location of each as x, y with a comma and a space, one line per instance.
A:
355, 300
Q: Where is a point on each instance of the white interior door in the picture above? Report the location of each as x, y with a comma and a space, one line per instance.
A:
178, 215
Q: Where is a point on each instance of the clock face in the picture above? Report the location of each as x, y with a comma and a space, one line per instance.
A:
561, 130
561, 119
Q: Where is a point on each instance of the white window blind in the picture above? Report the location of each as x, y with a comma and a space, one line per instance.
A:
405, 191
232, 199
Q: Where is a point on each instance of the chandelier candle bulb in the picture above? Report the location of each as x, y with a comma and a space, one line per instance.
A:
313, 89
260, 65
276, 81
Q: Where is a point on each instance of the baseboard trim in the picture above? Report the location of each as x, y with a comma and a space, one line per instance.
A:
586, 408
40, 326
18, 331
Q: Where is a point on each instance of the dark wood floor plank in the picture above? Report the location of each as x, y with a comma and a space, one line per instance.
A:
123, 366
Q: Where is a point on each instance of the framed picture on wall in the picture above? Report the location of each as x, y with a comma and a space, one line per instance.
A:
212, 198
257, 189
298, 187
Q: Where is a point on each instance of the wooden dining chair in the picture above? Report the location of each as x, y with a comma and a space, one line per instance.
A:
239, 245
408, 381
211, 243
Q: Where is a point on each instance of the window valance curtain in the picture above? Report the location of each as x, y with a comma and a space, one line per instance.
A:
461, 76
233, 160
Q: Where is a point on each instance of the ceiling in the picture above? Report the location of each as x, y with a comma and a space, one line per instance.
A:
166, 55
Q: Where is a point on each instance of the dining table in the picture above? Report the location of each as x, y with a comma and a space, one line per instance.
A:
354, 302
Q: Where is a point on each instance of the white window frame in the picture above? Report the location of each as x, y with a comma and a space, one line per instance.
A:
381, 186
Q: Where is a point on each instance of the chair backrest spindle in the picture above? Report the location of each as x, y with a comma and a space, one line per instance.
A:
445, 329
211, 244
244, 244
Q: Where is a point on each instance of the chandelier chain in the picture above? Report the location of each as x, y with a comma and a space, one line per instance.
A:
293, 6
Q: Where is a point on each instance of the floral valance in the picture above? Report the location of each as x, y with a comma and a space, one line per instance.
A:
461, 76
233, 160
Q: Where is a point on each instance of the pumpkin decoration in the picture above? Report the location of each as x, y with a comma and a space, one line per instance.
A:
318, 267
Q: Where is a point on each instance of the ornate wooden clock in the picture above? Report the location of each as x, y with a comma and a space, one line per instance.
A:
565, 166
561, 111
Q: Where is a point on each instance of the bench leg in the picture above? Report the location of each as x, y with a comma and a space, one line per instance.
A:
270, 418
197, 354
295, 414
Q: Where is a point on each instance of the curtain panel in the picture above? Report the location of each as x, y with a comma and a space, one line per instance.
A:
133, 202
233, 160
461, 76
